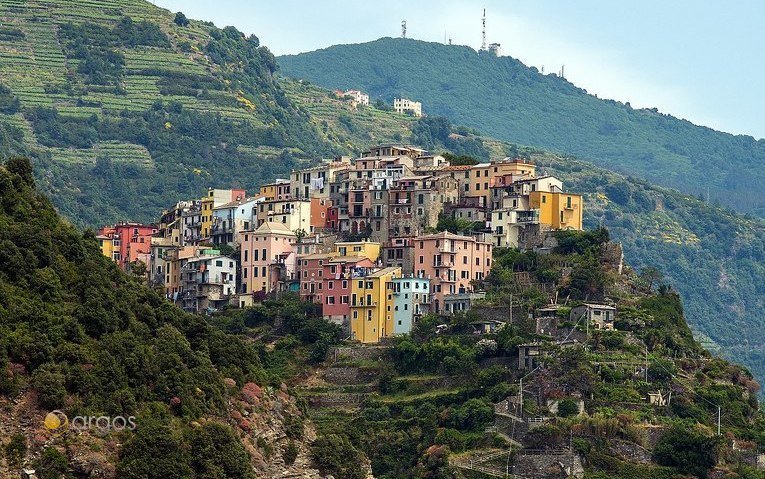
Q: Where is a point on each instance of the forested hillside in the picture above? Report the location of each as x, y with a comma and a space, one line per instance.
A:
80, 336
127, 107
510, 101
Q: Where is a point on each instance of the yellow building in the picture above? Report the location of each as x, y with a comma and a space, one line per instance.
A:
365, 249
107, 245
278, 190
207, 216
558, 210
481, 177
372, 304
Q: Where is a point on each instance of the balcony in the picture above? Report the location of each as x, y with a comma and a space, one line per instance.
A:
361, 304
445, 249
444, 264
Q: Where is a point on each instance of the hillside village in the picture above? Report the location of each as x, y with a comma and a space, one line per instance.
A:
365, 238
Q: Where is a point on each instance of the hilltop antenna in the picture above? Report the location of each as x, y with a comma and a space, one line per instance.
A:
563, 71
483, 30
403, 28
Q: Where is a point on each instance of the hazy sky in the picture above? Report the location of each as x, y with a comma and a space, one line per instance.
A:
696, 59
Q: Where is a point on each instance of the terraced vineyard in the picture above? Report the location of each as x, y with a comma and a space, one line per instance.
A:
345, 124
120, 81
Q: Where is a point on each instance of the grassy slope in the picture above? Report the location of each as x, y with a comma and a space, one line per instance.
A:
710, 254
507, 100
36, 66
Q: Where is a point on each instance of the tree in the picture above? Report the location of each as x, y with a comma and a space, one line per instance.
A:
651, 275
181, 20
688, 450
567, 407
334, 454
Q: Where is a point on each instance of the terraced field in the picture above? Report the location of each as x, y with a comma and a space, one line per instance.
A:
35, 67
345, 124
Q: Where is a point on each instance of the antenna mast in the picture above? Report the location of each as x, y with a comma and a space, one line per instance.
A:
403, 28
483, 31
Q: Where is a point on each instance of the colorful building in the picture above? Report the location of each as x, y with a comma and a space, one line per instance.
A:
338, 275
411, 299
371, 305
231, 218
267, 258
278, 190
451, 262
130, 242
366, 249
561, 211
216, 197
294, 214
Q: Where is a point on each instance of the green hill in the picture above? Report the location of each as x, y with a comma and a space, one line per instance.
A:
510, 101
126, 110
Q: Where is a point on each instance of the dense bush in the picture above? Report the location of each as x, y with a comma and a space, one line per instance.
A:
688, 450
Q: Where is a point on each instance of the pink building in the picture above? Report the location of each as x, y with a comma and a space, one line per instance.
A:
451, 262
267, 257
311, 270
337, 275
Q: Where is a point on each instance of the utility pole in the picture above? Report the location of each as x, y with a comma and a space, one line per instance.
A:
646, 364
520, 393
403, 28
483, 31
718, 420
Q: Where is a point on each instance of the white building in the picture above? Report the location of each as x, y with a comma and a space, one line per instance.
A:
229, 219
358, 97
209, 282
407, 107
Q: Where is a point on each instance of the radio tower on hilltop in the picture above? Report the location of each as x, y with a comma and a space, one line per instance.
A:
403, 28
483, 31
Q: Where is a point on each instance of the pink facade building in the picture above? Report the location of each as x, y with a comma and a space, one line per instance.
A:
338, 272
267, 258
451, 262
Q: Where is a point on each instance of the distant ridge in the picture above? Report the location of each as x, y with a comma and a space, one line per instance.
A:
510, 101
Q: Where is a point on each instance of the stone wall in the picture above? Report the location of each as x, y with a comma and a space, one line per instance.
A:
349, 375
547, 465
357, 352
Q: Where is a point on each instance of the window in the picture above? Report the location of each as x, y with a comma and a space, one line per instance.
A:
330, 285
263, 271
544, 199
244, 272
265, 255
345, 284
219, 263
465, 258
330, 300
344, 299
254, 272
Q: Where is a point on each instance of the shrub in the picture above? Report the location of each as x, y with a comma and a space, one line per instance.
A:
568, 407
688, 450
290, 453
334, 454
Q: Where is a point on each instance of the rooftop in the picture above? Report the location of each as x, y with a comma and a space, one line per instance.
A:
232, 204
382, 272
274, 227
